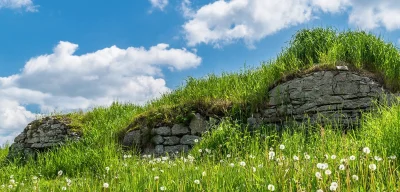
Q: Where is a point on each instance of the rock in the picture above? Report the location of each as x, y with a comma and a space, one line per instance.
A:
342, 68
132, 138
163, 131
157, 139
189, 139
159, 149
176, 149
198, 125
173, 140
41, 135
179, 129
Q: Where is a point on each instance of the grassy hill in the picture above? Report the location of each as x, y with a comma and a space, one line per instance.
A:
230, 159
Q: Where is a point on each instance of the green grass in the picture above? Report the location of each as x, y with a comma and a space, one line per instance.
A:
234, 95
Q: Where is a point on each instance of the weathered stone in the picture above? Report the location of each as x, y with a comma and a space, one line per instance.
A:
189, 139
198, 125
132, 138
164, 131
159, 149
173, 140
179, 129
40, 135
176, 149
158, 139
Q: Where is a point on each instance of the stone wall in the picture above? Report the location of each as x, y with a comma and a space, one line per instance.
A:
169, 140
337, 97
40, 135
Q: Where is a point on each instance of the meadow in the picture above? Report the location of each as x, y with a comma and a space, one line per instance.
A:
301, 158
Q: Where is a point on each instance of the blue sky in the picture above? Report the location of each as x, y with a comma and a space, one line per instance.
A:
69, 55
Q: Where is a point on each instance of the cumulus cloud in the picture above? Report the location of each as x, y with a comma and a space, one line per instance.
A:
373, 14
159, 4
223, 22
63, 81
19, 4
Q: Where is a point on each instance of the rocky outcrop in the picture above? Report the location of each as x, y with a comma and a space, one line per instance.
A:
40, 135
325, 96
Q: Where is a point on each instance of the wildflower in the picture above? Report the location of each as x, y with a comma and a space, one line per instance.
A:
341, 167
60, 172
107, 169
252, 156
352, 158
318, 175
164, 158
63, 188
10, 186
221, 161
232, 165
393, 157
328, 172
366, 150
333, 186
229, 155
282, 147
242, 163
296, 158
11, 176
197, 181
254, 169
271, 155
129, 156
208, 151
271, 187
322, 166
260, 166
377, 158
156, 178
125, 156
333, 156
320, 190
306, 156
12, 181
343, 160
200, 150
204, 174
105, 185
162, 188
196, 140
354, 177
372, 167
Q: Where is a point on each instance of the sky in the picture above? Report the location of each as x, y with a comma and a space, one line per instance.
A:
63, 56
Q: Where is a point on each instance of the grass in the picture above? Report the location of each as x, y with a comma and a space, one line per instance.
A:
98, 160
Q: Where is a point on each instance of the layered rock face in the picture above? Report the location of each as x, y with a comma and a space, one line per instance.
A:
337, 97
40, 135
168, 140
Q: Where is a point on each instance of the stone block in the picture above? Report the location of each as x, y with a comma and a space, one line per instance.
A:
198, 125
132, 138
189, 139
163, 131
179, 129
158, 139
173, 140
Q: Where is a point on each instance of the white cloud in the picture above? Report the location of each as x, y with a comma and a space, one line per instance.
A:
372, 14
62, 81
159, 4
19, 4
223, 22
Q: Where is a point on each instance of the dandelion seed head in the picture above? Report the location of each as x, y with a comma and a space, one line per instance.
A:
372, 167
60, 172
341, 167
354, 177
328, 172
105, 185
271, 187
366, 150
242, 163
333, 156
156, 178
197, 181
282, 147
163, 188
